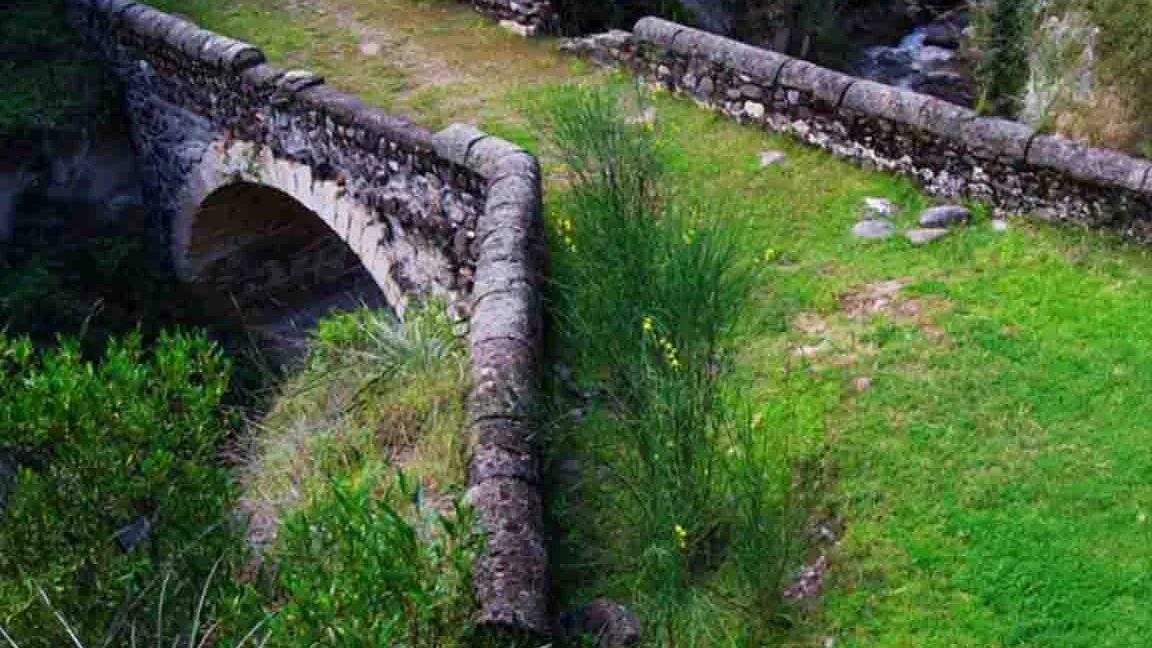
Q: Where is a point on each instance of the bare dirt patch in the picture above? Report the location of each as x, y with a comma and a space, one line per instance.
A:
841, 339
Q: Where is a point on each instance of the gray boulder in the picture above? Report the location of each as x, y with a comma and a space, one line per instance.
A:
944, 216
873, 229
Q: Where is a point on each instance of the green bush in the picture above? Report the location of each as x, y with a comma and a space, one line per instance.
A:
370, 563
100, 446
649, 292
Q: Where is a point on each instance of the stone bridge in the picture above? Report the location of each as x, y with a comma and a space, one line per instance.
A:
276, 194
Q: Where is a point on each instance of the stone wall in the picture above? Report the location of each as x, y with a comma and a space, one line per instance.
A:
455, 214
953, 152
525, 17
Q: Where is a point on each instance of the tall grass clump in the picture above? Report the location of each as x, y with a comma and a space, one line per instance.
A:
650, 292
359, 466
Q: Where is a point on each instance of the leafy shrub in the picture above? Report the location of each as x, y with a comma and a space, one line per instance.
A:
365, 555
649, 293
370, 563
100, 447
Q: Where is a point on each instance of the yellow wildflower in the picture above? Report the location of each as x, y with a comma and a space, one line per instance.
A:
648, 324
681, 536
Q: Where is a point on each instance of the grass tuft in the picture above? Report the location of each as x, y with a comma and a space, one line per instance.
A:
692, 494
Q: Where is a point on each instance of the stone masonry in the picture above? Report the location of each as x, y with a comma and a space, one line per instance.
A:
454, 214
951, 151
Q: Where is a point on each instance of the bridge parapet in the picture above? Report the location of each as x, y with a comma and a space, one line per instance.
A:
454, 214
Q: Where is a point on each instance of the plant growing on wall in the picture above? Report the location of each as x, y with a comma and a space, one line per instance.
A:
1001, 35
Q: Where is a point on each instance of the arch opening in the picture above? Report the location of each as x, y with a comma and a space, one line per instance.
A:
256, 253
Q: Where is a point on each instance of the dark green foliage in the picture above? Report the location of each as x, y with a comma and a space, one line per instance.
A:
98, 446
1003, 33
369, 563
50, 80
650, 293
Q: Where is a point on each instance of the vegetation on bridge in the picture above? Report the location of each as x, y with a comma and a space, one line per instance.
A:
972, 412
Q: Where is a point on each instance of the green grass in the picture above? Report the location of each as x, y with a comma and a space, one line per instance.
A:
358, 469
691, 497
992, 476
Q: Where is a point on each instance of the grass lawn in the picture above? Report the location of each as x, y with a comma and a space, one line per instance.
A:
978, 404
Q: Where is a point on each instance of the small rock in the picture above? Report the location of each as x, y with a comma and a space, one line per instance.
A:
944, 216
1000, 225
754, 110
611, 624
862, 383
874, 207
873, 229
768, 158
370, 49
926, 235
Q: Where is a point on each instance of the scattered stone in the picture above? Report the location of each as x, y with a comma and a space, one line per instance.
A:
873, 229
926, 235
754, 110
945, 216
370, 49
611, 624
874, 207
768, 158
1000, 225
809, 581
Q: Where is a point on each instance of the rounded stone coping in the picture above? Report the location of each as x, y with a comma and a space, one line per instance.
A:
505, 342
988, 137
181, 35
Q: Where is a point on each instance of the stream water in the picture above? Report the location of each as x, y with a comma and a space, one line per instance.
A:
927, 60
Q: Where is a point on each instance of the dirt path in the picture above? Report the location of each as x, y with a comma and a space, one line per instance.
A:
432, 62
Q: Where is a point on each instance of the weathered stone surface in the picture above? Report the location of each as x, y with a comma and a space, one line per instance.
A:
993, 137
492, 462
657, 30
822, 83
945, 216
926, 235
873, 229
1084, 162
879, 100
511, 577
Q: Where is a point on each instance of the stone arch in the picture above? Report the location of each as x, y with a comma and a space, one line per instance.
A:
255, 250
270, 234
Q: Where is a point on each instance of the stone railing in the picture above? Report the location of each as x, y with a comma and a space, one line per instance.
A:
953, 152
454, 213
